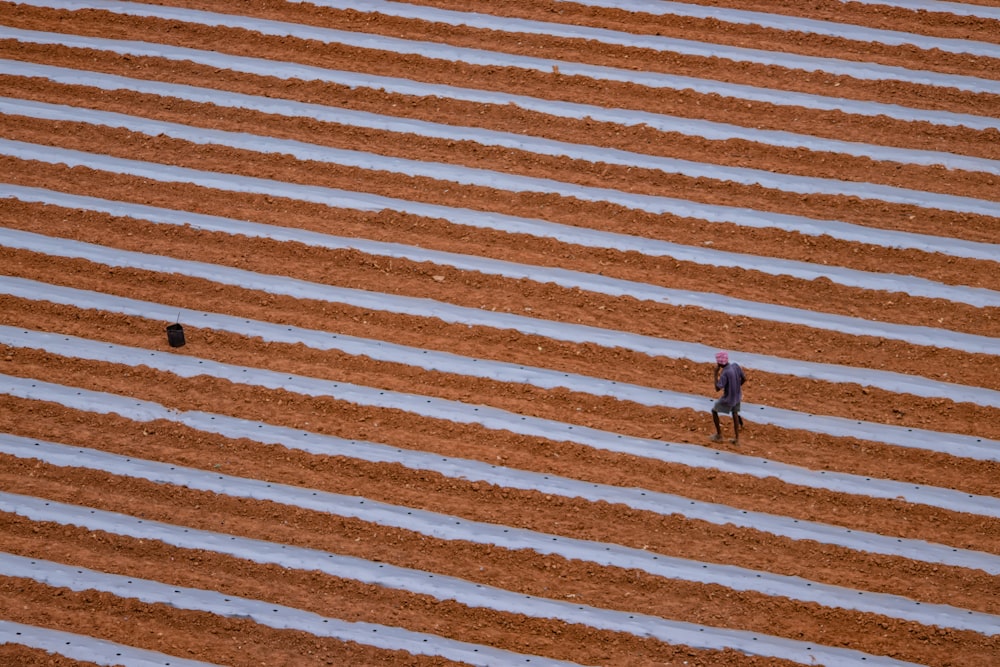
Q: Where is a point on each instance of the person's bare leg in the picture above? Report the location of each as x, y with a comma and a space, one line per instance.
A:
736, 428
718, 426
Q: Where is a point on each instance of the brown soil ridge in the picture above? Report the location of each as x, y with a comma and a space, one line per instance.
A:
644, 318
884, 17
115, 142
355, 268
396, 427
834, 124
396, 226
734, 152
487, 565
237, 41
208, 637
521, 571
844, 400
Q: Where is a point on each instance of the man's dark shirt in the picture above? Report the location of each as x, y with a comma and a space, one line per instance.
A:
731, 381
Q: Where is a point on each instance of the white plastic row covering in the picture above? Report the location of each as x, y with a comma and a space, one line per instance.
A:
484, 219
500, 180
701, 128
77, 398
808, 26
497, 419
381, 574
279, 617
424, 307
941, 6
864, 71
84, 648
911, 285
446, 362
289, 70
450, 527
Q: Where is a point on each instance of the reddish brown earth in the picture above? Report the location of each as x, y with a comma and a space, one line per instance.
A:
239, 642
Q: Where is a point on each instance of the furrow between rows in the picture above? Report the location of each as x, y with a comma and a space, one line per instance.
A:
350, 585
357, 411
481, 63
534, 567
812, 114
559, 346
448, 280
880, 22
675, 187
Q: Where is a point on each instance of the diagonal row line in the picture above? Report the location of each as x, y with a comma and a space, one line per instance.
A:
711, 213
450, 527
907, 284
447, 362
88, 649
440, 51
701, 128
235, 428
501, 180
783, 22
439, 586
498, 419
289, 70
279, 617
424, 307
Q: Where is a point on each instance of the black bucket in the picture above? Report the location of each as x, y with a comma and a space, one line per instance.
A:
175, 335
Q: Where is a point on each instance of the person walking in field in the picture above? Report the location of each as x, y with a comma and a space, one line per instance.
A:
729, 379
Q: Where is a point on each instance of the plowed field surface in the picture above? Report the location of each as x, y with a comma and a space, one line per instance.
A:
450, 278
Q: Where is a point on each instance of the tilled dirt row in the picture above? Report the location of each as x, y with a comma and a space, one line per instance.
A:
187, 634
564, 170
238, 641
522, 571
925, 21
556, 207
439, 234
878, 214
733, 152
851, 401
386, 63
230, 161
328, 415
353, 269
573, 50
834, 124
808, 396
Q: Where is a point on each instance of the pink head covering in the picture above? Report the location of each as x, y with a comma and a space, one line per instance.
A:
722, 358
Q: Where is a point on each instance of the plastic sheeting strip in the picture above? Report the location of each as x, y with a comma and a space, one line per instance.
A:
447, 362
712, 130
425, 307
267, 614
499, 180
485, 416
288, 70
442, 51
467, 469
788, 23
88, 649
381, 574
494, 418
363, 201
868, 280
449, 527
